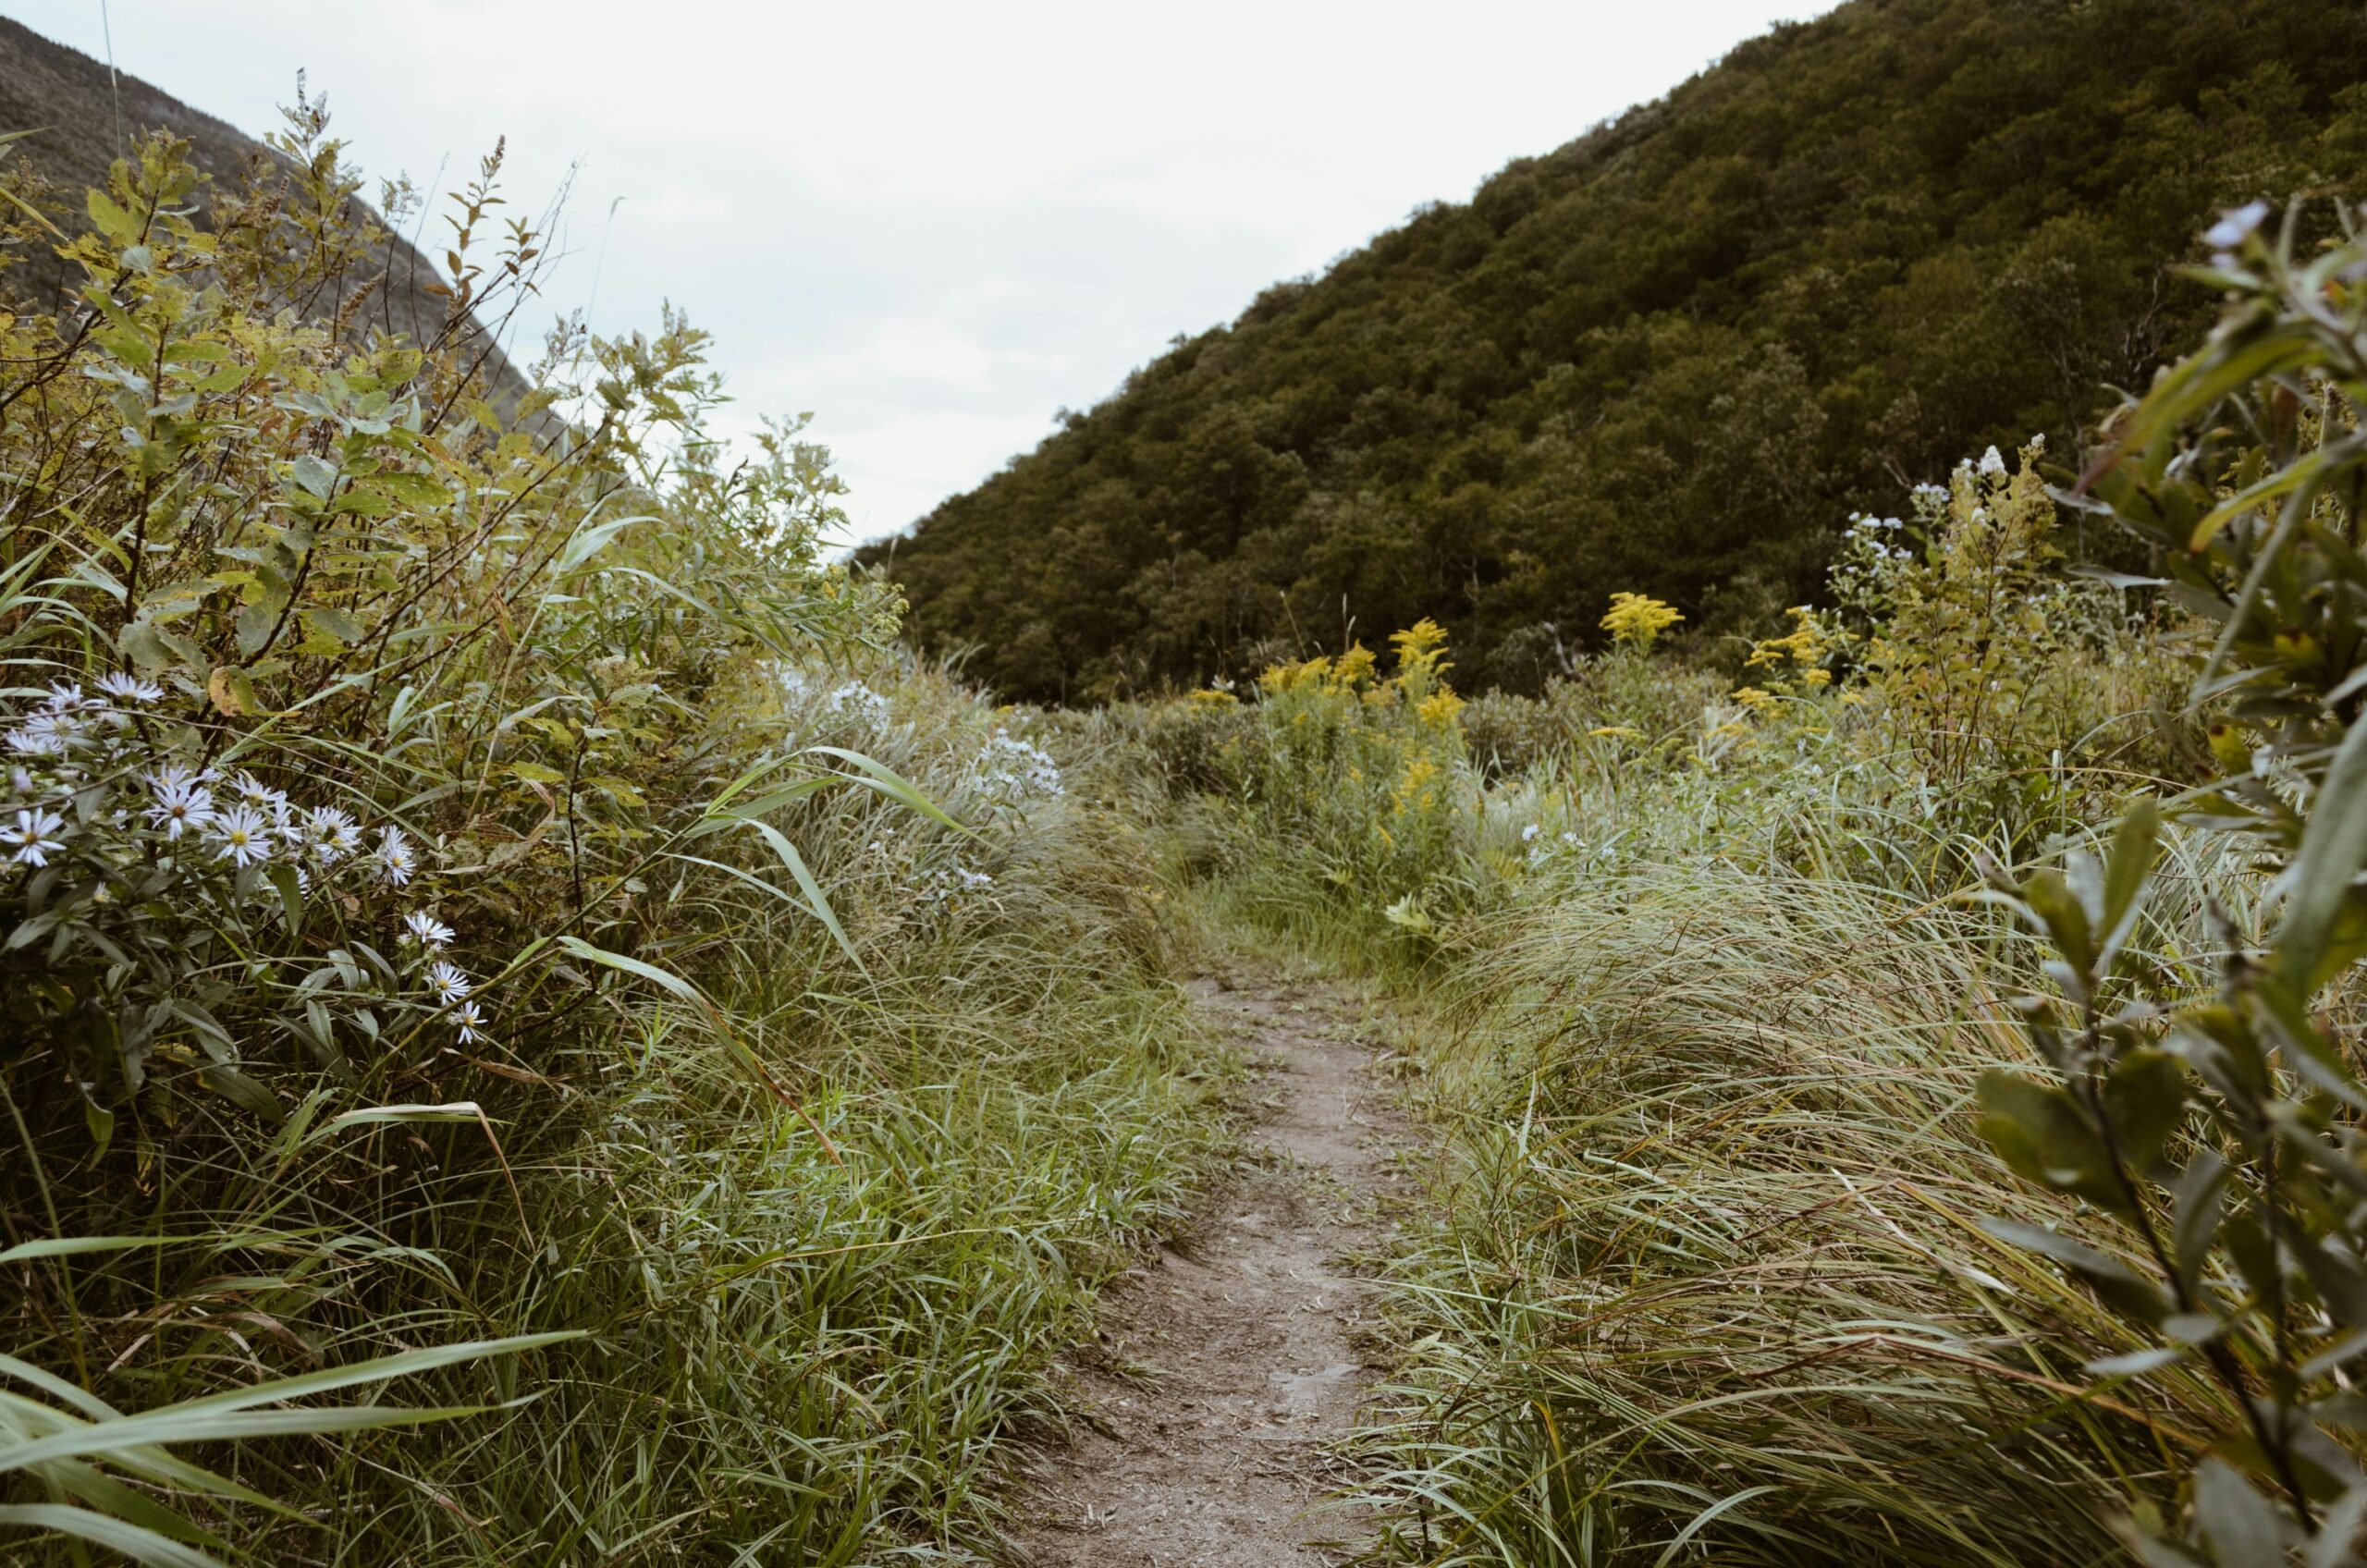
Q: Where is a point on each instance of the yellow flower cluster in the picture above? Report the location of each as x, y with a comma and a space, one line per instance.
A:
1794, 662
1635, 620
1421, 649
1806, 646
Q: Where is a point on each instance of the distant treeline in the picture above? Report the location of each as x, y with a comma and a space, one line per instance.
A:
1673, 356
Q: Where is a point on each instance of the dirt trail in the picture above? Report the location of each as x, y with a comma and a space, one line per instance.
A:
1232, 1361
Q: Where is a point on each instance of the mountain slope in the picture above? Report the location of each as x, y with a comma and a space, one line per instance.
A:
80, 122
1671, 356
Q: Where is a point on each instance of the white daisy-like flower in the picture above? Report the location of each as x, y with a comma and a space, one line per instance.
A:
398, 863
66, 697
45, 734
471, 1022
20, 780
125, 687
426, 930
243, 837
260, 795
33, 839
178, 801
333, 833
449, 983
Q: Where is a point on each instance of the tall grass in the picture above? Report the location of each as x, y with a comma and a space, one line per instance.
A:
1688, 974
1710, 1276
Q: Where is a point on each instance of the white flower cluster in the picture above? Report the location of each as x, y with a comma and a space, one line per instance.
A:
947, 884
1541, 848
1009, 769
858, 703
850, 703
1870, 534
114, 823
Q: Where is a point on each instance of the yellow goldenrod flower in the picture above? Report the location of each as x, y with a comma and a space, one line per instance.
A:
1636, 620
1439, 708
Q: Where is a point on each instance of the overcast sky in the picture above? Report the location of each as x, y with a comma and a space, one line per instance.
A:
932, 225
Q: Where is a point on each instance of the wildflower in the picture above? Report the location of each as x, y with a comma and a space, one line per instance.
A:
1634, 619
1528, 834
426, 930
1992, 464
471, 1022
34, 837
243, 837
449, 983
398, 863
66, 697
1011, 770
859, 702
943, 885
332, 833
42, 735
2234, 226
179, 802
127, 688
260, 795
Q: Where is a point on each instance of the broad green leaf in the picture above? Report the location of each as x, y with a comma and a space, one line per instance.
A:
139, 1543
2334, 847
889, 782
649, 972
787, 855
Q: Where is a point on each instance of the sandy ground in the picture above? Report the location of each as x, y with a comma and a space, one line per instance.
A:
1231, 1362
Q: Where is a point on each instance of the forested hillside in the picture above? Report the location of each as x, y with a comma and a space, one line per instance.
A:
1672, 356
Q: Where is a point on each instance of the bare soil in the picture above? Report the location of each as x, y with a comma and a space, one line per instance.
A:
1230, 1363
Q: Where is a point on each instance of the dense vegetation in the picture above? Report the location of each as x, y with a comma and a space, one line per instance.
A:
1902, 1092
485, 911
1668, 357
534, 1032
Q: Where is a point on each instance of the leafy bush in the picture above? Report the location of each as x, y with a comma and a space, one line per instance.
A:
2209, 1122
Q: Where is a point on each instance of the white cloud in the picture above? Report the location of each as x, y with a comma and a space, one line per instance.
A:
934, 225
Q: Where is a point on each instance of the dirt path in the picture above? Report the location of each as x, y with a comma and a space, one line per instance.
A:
1231, 1362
